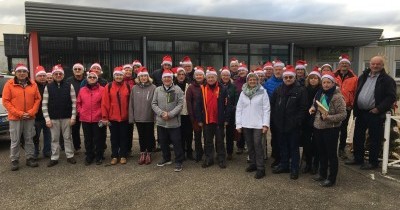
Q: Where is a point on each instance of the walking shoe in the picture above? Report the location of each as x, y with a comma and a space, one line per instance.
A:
164, 162
14, 165
327, 183
222, 164
142, 158
71, 160
178, 167
275, 163
207, 164
259, 174
239, 151
294, 175
280, 170
148, 158
52, 163
122, 160
32, 163
229, 157
99, 162
114, 161
251, 168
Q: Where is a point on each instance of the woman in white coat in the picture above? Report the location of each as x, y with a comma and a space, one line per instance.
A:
252, 118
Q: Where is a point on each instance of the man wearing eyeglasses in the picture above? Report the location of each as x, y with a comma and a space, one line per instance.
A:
288, 108
59, 111
75, 80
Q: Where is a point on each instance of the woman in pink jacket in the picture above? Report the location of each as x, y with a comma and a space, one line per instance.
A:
89, 108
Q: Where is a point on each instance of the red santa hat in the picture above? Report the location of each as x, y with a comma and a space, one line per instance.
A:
40, 71
315, 71
345, 58
233, 61
259, 71
167, 73
92, 73
326, 65
277, 63
330, 76
166, 60
118, 70
300, 64
225, 69
179, 69
96, 65
77, 65
49, 74
127, 66
268, 65
289, 71
211, 71
142, 71
186, 61
21, 67
136, 63
57, 68
243, 67
198, 70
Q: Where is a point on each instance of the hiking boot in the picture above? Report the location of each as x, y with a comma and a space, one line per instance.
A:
52, 163
71, 160
14, 165
142, 158
222, 164
32, 163
260, 174
148, 158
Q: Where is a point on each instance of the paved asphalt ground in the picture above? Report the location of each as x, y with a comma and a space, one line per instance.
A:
131, 186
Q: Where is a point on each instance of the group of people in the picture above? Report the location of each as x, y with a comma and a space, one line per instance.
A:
311, 110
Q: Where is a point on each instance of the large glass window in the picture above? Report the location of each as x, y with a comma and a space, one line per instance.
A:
280, 49
215, 61
186, 47
91, 44
397, 69
238, 48
159, 46
211, 47
259, 49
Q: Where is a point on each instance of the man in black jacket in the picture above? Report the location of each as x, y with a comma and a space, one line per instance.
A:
157, 74
288, 109
375, 95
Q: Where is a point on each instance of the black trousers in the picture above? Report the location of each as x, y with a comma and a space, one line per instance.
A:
168, 136
146, 136
76, 135
198, 143
275, 153
374, 124
186, 134
327, 140
230, 135
119, 139
211, 131
343, 131
310, 148
94, 145
130, 136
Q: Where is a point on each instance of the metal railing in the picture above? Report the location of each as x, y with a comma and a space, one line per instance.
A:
386, 162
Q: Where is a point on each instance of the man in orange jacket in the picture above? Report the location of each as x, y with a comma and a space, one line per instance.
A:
346, 79
21, 98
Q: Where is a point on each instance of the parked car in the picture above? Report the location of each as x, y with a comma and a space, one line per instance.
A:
4, 124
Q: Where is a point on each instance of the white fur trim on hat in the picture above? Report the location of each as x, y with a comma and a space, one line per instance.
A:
136, 63
226, 70
95, 65
277, 64
21, 68
289, 73
234, 62
143, 73
344, 60
78, 65
329, 77
211, 73
42, 72
326, 65
166, 62
127, 66
92, 73
301, 66
315, 73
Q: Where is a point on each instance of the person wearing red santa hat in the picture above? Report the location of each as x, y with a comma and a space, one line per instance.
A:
187, 64
301, 72
136, 64
167, 104
326, 68
88, 105
96, 67
166, 64
59, 111
269, 70
193, 94
212, 114
21, 99
233, 67
76, 81
288, 109
49, 77
312, 84
141, 113
239, 82
261, 75
114, 109
230, 130
327, 125
346, 80
40, 123
129, 80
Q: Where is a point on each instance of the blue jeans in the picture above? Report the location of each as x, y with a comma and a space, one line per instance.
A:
289, 149
39, 126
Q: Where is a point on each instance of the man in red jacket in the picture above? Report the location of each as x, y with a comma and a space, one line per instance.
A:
346, 79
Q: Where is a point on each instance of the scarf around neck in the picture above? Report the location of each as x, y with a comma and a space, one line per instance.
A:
250, 92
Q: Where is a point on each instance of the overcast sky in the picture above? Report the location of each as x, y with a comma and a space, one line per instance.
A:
383, 14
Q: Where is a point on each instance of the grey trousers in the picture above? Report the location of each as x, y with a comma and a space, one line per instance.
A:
61, 126
255, 147
17, 128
